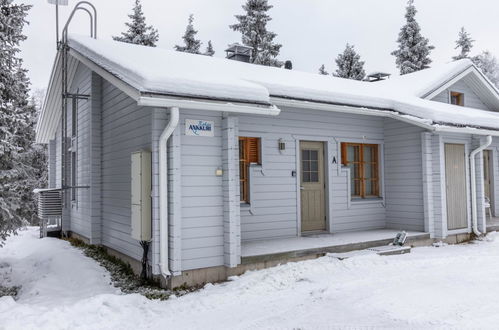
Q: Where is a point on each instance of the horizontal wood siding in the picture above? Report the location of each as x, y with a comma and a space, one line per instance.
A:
80, 210
471, 100
52, 164
494, 148
126, 128
202, 194
403, 176
273, 210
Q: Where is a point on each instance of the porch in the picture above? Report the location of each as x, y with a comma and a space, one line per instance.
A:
492, 224
315, 245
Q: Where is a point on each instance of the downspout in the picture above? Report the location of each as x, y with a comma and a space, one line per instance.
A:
163, 191
474, 205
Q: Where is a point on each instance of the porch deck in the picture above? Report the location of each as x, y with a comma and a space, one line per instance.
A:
492, 224
296, 247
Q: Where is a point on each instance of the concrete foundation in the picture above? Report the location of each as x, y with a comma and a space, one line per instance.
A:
199, 277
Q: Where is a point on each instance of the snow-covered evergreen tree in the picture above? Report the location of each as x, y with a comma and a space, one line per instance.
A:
19, 159
489, 65
322, 70
191, 44
139, 32
209, 49
253, 27
349, 64
464, 42
413, 53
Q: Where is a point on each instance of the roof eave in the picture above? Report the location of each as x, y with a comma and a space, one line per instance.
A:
386, 113
150, 99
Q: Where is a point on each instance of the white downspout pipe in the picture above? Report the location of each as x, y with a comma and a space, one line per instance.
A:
163, 190
474, 206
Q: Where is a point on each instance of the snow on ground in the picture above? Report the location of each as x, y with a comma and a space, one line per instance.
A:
433, 287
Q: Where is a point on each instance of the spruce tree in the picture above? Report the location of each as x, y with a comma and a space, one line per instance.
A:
253, 27
209, 49
489, 66
139, 32
322, 70
413, 53
18, 157
464, 43
191, 44
349, 64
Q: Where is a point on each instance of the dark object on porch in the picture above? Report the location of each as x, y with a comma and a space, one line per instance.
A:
400, 239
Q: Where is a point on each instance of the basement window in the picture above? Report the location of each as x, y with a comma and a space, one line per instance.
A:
362, 160
249, 153
457, 98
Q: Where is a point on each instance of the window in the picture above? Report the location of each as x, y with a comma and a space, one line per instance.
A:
73, 176
249, 152
74, 117
310, 165
362, 160
457, 98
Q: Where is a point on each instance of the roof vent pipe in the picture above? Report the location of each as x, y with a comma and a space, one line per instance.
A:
474, 206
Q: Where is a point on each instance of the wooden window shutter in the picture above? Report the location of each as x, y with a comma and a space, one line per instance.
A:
254, 150
344, 153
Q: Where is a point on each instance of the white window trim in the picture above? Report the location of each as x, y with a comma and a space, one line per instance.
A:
381, 169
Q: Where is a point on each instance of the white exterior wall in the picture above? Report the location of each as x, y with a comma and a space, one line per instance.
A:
126, 128
80, 209
274, 211
202, 203
404, 176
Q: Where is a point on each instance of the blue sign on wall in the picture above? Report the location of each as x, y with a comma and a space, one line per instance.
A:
194, 127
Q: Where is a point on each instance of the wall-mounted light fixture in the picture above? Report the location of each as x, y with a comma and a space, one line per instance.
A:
219, 172
282, 145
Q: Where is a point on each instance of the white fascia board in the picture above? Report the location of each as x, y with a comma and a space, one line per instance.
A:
382, 113
120, 84
465, 130
51, 110
41, 129
351, 110
166, 102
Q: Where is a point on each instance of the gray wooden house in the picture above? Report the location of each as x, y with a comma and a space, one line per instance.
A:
226, 166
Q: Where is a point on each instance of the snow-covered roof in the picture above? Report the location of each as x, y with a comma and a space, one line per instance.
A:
161, 72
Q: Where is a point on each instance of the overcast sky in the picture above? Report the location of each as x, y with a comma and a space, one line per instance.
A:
312, 32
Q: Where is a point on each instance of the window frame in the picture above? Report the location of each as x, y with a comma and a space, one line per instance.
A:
375, 163
244, 164
459, 96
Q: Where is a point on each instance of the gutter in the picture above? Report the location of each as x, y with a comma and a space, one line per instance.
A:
148, 101
163, 190
474, 206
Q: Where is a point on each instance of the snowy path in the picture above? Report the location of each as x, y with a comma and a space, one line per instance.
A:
451, 286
